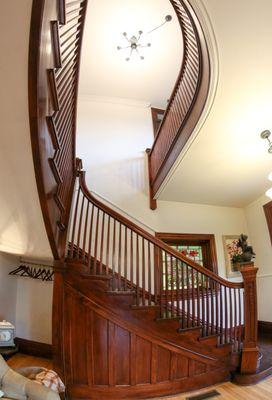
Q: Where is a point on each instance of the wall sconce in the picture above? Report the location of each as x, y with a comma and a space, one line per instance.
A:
266, 135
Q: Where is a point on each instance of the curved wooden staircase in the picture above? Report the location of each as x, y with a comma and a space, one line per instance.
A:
139, 319
132, 317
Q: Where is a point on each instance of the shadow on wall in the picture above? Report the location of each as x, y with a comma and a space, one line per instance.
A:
130, 173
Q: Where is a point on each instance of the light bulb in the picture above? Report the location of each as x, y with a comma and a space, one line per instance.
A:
268, 193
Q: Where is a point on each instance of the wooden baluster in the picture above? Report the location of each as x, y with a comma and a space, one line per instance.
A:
211, 286
119, 257
221, 315
203, 306
102, 245
113, 256
235, 320
188, 297
131, 259
90, 238
85, 233
207, 306
177, 286
240, 320
74, 225
161, 279
226, 315
108, 246
96, 240
149, 276
217, 289
198, 299
250, 354
126, 260
79, 228
166, 282
183, 296
143, 271
172, 287
193, 296
137, 272
231, 315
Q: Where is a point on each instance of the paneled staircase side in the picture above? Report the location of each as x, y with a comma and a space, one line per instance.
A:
138, 318
110, 354
54, 56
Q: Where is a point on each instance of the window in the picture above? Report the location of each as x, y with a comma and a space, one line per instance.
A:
200, 248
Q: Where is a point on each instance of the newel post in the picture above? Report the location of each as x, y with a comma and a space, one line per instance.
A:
250, 354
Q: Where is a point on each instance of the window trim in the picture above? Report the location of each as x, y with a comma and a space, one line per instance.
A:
208, 239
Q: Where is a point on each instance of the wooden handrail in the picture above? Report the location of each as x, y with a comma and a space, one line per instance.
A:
187, 100
109, 244
157, 242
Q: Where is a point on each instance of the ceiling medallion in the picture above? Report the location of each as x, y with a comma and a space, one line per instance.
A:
135, 41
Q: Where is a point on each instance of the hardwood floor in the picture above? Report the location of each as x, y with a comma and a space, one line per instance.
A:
228, 391
22, 360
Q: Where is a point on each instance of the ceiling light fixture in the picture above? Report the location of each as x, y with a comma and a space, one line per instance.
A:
135, 41
266, 135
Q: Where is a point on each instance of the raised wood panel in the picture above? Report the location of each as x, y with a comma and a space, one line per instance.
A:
100, 350
182, 370
122, 356
163, 365
79, 335
143, 361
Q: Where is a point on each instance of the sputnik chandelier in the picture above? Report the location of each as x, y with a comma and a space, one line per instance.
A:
135, 43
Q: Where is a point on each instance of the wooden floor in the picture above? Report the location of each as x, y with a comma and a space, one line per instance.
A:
22, 360
228, 391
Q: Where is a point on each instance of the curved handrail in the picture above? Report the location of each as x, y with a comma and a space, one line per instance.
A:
187, 100
110, 245
157, 242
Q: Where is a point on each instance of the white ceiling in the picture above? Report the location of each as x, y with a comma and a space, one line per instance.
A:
104, 71
228, 163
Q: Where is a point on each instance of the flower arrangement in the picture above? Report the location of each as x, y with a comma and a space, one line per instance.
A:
234, 251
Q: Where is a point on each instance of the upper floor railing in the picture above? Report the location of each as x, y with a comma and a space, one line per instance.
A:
54, 57
187, 100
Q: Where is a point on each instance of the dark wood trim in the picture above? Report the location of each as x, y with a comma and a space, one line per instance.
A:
56, 43
265, 327
33, 348
156, 123
53, 133
53, 89
268, 214
62, 11
55, 171
152, 201
208, 239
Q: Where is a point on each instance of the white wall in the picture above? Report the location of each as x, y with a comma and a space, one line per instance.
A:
260, 240
22, 228
34, 310
112, 138
8, 287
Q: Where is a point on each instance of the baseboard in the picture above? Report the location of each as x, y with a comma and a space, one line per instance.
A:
34, 348
265, 327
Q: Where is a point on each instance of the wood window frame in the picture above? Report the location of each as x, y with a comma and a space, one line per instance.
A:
268, 215
205, 240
